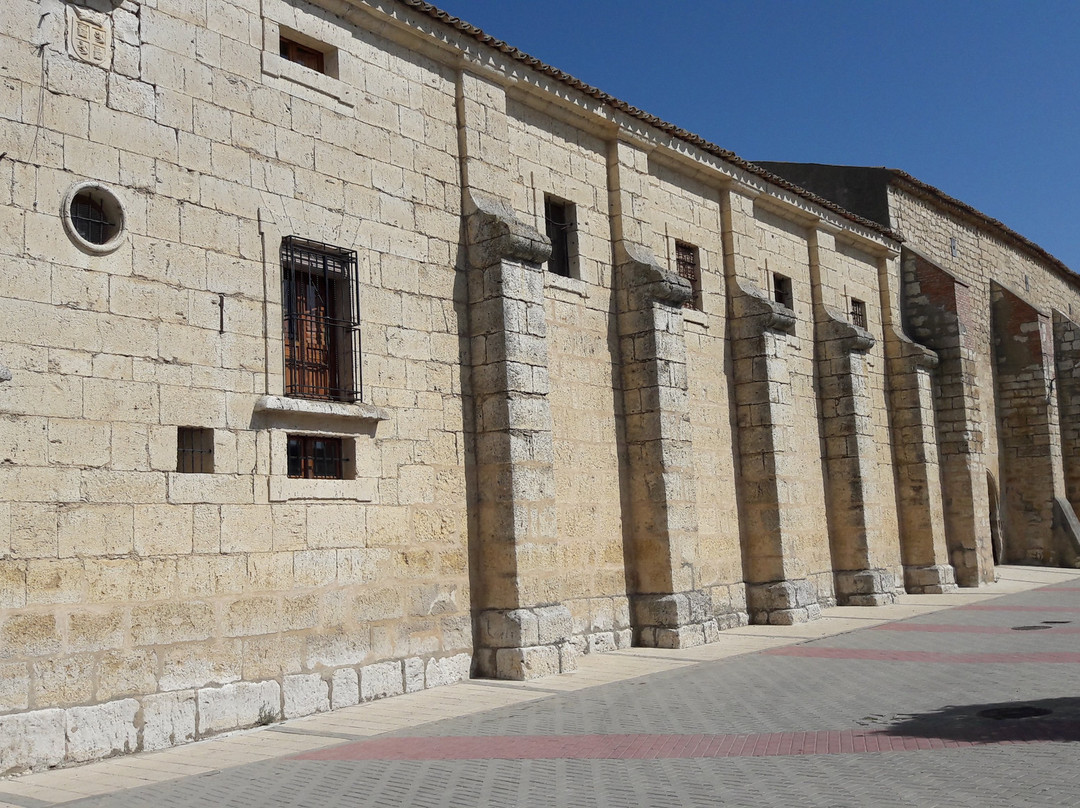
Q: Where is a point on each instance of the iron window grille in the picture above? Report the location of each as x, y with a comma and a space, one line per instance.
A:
559, 223
312, 457
88, 217
686, 264
782, 292
858, 313
301, 54
194, 450
320, 304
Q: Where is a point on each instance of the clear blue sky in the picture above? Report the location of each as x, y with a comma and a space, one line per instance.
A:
981, 99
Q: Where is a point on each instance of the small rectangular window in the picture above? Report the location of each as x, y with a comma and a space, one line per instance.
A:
302, 55
782, 293
559, 221
314, 457
194, 450
686, 264
858, 313
321, 312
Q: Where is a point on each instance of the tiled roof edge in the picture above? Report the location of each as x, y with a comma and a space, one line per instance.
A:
982, 221
652, 120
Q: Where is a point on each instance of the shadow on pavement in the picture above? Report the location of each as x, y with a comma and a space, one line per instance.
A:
1056, 719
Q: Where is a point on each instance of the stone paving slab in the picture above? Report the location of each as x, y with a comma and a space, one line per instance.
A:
849, 710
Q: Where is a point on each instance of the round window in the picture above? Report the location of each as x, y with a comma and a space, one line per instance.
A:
94, 217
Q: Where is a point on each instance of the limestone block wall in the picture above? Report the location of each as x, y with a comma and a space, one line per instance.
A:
549, 156
538, 466
783, 249
1067, 354
141, 606
687, 210
1029, 430
854, 422
975, 257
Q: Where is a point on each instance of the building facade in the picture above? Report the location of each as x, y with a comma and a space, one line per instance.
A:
354, 352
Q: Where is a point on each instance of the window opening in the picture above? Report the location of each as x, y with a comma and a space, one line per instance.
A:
320, 307
301, 54
93, 217
194, 450
312, 457
559, 220
686, 264
88, 216
782, 290
858, 313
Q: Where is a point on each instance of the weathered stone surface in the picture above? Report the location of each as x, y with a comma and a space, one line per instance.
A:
305, 694
739, 404
344, 688
31, 740
168, 719
102, 730
447, 670
244, 704
380, 680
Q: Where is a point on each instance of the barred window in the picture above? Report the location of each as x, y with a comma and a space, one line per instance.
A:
559, 223
858, 313
686, 264
194, 450
321, 311
313, 457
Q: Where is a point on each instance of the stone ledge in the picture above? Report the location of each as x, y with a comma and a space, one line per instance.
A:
321, 409
569, 286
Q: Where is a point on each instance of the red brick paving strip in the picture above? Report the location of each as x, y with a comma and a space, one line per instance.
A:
962, 629
1003, 607
818, 652
652, 747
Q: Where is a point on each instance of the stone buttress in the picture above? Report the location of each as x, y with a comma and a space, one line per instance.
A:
1067, 353
911, 368
669, 609
853, 492
522, 628
938, 312
778, 590
1037, 519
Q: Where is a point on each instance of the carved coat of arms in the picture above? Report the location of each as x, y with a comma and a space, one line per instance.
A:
89, 36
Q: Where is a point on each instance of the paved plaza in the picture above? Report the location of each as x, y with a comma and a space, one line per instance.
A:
966, 699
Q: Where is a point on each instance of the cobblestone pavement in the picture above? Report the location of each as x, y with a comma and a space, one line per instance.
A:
966, 699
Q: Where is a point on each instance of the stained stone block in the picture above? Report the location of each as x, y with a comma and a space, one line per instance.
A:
168, 719
554, 624
344, 688
305, 694
31, 740
243, 704
102, 730
380, 680
510, 629
520, 664
929, 580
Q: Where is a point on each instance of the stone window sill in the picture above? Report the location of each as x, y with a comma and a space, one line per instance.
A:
289, 489
570, 286
279, 67
321, 410
696, 317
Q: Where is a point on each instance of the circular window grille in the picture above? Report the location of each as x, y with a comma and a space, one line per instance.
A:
94, 217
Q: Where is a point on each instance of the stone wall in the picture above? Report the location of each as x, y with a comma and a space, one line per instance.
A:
141, 606
958, 260
536, 466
